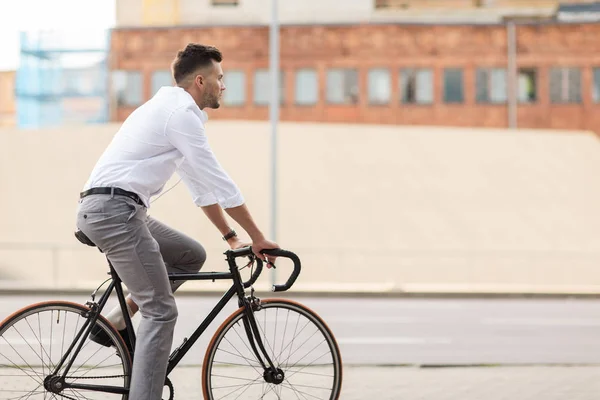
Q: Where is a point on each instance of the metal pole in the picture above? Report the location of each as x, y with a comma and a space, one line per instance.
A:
274, 116
511, 39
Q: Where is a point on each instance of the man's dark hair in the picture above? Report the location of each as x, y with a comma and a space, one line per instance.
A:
191, 58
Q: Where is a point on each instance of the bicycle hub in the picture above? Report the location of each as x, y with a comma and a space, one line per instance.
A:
274, 376
53, 384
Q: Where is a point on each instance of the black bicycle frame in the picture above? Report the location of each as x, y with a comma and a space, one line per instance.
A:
237, 288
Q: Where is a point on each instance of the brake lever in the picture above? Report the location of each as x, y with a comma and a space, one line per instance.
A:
271, 264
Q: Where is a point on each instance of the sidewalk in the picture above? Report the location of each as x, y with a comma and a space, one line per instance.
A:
453, 383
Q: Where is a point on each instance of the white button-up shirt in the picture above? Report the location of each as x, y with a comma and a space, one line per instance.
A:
163, 136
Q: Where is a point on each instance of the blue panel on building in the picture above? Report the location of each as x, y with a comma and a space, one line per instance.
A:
62, 78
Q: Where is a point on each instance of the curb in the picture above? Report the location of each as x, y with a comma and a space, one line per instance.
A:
7, 290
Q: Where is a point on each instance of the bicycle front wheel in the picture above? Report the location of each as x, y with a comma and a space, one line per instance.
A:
296, 339
33, 342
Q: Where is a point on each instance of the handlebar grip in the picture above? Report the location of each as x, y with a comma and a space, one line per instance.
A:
241, 252
247, 251
297, 267
255, 275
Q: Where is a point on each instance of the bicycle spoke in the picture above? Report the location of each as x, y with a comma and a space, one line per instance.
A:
267, 343
89, 358
29, 345
244, 341
239, 355
247, 386
310, 373
19, 354
283, 336
299, 347
291, 344
297, 362
292, 388
28, 394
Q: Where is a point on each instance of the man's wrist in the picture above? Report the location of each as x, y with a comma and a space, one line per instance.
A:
229, 235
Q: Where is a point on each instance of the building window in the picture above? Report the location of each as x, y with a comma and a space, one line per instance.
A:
596, 87
342, 86
390, 4
565, 85
307, 87
127, 88
224, 2
235, 88
262, 86
453, 85
160, 79
380, 86
527, 85
490, 85
416, 86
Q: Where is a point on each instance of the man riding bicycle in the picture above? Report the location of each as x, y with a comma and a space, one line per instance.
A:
163, 136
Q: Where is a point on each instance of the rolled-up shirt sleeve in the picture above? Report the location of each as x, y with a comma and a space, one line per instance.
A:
200, 170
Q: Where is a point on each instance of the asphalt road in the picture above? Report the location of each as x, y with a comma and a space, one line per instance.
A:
423, 331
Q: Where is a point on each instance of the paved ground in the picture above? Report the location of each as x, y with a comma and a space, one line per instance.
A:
401, 331
476, 383
424, 331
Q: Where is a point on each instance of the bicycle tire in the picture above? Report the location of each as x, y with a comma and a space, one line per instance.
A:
19, 346
270, 304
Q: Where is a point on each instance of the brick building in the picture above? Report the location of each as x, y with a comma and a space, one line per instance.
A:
8, 108
381, 71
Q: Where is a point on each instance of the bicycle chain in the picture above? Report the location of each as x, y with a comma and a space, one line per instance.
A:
87, 377
96, 377
167, 383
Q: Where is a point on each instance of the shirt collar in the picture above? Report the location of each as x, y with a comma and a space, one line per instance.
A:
202, 113
203, 116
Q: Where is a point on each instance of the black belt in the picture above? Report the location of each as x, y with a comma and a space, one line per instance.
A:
112, 191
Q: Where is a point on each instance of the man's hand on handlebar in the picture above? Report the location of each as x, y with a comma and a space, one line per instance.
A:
264, 244
236, 243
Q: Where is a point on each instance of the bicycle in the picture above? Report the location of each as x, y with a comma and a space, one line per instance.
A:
241, 360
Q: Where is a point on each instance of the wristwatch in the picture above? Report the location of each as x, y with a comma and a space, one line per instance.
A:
229, 235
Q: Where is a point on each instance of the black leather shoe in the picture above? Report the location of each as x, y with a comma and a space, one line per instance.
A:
99, 336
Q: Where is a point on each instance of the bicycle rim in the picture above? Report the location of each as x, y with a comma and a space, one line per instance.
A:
297, 341
34, 339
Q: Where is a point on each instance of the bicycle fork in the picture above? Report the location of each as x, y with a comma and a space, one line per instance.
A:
272, 374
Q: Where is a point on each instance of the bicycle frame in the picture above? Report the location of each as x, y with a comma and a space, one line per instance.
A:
237, 288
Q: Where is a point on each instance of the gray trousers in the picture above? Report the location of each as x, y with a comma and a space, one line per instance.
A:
142, 250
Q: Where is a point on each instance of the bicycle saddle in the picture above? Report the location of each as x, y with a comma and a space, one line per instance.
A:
83, 238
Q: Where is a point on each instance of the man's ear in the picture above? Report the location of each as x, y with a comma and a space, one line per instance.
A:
199, 80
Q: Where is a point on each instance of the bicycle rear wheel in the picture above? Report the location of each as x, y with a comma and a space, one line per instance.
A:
33, 341
296, 339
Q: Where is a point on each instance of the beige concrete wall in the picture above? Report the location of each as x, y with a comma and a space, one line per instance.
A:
365, 207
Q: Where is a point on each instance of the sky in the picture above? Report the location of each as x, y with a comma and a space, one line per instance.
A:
31, 15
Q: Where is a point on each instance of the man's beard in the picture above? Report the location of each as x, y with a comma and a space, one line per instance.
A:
213, 102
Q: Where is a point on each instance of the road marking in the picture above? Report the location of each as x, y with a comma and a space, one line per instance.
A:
542, 321
394, 340
375, 320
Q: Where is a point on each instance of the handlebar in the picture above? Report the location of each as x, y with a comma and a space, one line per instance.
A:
247, 251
